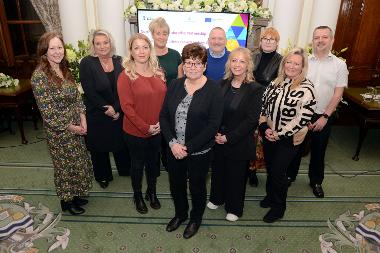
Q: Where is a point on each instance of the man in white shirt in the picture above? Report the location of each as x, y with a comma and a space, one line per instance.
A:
329, 75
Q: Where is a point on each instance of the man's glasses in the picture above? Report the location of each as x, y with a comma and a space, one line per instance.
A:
191, 64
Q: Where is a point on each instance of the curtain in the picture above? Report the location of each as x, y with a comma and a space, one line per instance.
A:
48, 12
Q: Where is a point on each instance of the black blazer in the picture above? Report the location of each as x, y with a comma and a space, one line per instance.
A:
271, 70
240, 123
203, 117
103, 134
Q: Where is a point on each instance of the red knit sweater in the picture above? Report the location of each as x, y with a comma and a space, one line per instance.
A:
141, 101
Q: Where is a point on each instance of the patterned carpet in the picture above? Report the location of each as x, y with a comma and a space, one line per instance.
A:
111, 223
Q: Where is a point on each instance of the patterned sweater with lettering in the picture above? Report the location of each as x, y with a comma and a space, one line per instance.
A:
288, 111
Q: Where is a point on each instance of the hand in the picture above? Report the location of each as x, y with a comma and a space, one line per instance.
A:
110, 112
220, 139
83, 124
271, 135
179, 151
78, 130
116, 116
318, 125
154, 129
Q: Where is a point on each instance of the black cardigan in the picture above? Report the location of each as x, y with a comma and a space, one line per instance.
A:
241, 122
103, 133
203, 117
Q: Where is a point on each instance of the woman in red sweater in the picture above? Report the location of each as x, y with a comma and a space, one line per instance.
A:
141, 89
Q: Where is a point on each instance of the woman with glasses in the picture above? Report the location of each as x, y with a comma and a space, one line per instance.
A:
265, 67
234, 147
189, 119
141, 88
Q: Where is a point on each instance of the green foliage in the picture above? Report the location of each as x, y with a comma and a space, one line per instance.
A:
74, 55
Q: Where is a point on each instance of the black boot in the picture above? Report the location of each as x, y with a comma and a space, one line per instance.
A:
80, 201
71, 207
139, 203
151, 196
253, 180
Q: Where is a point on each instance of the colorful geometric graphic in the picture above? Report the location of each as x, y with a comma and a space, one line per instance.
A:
237, 33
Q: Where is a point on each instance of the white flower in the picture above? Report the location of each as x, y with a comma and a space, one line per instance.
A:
163, 6
208, 8
133, 9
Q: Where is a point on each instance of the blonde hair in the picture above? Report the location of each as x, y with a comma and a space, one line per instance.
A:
158, 23
129, 62
248, 57
91, 39
281, 72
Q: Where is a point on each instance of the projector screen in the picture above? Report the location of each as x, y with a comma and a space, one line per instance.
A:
188, 27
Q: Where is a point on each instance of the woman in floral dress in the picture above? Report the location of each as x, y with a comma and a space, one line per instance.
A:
63, 115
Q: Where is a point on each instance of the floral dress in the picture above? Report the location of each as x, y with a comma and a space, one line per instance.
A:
61, 106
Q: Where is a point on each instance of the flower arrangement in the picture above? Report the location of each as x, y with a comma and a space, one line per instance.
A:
7, 81
74, 56
200, 5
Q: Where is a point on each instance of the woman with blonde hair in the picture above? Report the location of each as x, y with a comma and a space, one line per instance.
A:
141, 88
98, 74
288, 105
169, 60
234, 148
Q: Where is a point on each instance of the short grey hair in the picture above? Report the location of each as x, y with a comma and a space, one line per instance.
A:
324, 27
98, 32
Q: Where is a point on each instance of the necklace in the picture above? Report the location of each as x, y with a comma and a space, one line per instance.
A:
106, 66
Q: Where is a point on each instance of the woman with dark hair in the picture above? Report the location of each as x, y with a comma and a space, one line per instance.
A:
63, 115
98, 74
141, 88
189, 119
288, 105
234, 147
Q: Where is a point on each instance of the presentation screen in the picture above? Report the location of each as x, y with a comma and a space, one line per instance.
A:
188, 27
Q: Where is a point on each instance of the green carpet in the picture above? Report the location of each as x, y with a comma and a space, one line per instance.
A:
111, 223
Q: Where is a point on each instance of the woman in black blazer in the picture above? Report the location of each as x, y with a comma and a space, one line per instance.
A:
235, 147
98, 74
189, 119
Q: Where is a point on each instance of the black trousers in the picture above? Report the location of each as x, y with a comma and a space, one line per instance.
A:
278, 155
194, 168
318, 145
102, 165
228, 182
144, 153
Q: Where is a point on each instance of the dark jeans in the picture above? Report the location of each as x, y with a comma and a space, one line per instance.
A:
278, 155
194, 168
318, 145
144, 153
228, 181
102, 165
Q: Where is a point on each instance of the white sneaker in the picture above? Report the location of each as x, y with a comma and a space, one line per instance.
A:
231, 217
211, 206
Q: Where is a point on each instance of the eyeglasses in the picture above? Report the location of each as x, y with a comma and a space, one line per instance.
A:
271, 40
191, 64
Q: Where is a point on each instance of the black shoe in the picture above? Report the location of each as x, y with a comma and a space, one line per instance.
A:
317, 190
273, 215
265, 203
80, 201
71, 207
174, 223
140, 204
152, 198
103, 184
191, 229
253, 180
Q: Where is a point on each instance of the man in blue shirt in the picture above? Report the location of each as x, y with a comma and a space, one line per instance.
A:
217, 54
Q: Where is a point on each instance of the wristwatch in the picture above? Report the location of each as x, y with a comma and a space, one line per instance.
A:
325, 116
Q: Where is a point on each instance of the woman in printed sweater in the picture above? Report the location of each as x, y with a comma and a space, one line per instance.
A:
288, 105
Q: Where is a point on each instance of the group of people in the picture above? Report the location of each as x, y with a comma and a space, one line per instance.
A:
194, 110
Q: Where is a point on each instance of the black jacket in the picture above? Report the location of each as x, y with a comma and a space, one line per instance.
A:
240, 122
271, 70
203, 117
103, 133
